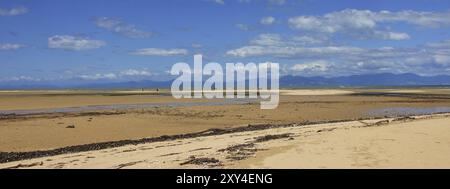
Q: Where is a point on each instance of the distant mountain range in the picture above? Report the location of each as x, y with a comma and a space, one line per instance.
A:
383, 79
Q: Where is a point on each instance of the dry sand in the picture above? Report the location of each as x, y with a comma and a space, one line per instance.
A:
418, 142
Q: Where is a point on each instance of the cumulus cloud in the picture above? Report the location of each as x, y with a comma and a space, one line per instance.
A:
269, 20
427, 59
330, 23
273, 39
291, 51
267, 40
120, 27
309, 40
366, 20
13, 12
74, 43
275, 45
363, 19
426, 19
10, 46
160, 52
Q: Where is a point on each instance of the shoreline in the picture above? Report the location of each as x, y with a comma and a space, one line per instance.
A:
8, 158
17, 156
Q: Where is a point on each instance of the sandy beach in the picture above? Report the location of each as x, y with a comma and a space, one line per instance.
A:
404, 142
57, 127
63, 123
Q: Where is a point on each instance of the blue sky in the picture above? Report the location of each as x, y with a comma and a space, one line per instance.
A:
112, 40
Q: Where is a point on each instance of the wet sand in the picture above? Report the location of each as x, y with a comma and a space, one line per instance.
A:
20, 133
312, 92
26, 100
403, 142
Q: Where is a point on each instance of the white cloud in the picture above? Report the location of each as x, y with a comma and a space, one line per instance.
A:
267, 40
313, 66
366, 21
99, 76
13, 12
124, 74
428, 59
392, 35
369, 65
426, 19
20, 78
272, 39
10, 46
308, 40
118, 26
269, 20
275, 45
441, 44
68, 42
310, 23
291, 51
160, 52
442, 59
133, 72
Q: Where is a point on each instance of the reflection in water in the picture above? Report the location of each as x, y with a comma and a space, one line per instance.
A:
408, 111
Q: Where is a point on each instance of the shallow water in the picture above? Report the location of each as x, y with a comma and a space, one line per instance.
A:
124, 107
407, 111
